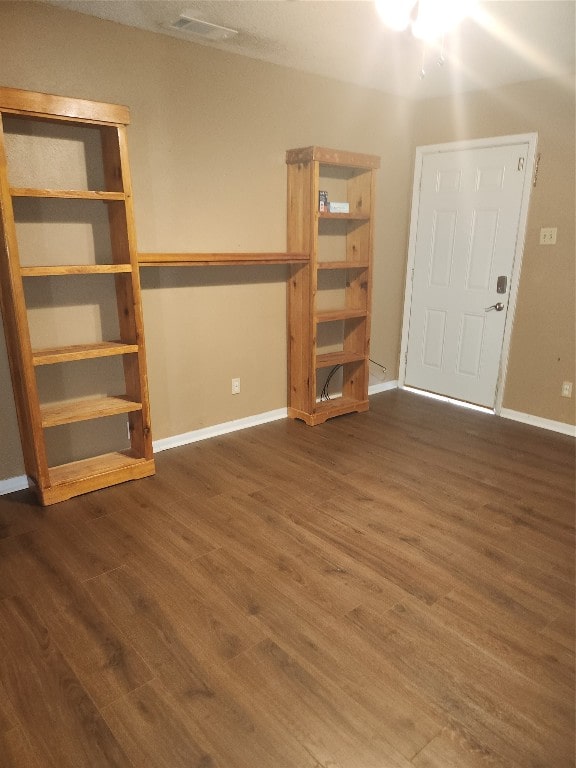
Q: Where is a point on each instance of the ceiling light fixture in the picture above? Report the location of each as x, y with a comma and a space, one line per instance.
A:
429, 20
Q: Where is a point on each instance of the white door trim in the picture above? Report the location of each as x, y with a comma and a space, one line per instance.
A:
497, 141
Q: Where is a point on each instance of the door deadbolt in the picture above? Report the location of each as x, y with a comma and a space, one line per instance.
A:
501, 284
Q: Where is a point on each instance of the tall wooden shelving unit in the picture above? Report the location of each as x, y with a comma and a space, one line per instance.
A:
329, 299
35, 416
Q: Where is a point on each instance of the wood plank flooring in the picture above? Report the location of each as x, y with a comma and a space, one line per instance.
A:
392, 589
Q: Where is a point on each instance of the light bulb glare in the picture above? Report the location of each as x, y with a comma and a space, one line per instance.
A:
395, 13
438, 17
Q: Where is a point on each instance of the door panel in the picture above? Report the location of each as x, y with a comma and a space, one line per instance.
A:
470, 345
468, 218
434, 338
481, 255
443, 229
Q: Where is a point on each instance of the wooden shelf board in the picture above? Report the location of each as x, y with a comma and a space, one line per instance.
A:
340, 403
75, 269
342, 265
348, 216
332, 157
71, 411
43, 105
78, 477
339, 406
338, 358
339, 314
218, 259
51, 355
72, 194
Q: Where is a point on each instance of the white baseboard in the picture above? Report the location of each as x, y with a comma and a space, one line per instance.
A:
218, 429
13, 484
383, 386
250, 421
21, 482
538, 421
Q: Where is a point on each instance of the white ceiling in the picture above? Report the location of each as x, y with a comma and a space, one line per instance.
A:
507, 41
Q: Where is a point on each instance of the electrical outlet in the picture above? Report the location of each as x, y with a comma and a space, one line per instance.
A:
235, 386
567, 389
548, 235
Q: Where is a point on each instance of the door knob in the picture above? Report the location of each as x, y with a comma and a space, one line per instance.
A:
498, 307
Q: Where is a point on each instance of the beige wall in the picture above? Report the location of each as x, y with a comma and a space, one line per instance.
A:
207, 142
543, 339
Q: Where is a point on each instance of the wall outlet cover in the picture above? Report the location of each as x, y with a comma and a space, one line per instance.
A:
566, 389
548, 235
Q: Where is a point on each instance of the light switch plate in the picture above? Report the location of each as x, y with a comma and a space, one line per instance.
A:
548, 235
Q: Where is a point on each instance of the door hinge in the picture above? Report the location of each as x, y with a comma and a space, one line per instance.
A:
536, 166
521, 161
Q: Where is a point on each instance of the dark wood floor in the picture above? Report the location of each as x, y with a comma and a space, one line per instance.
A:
388, 590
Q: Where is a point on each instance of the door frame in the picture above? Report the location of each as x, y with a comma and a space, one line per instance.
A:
496, 141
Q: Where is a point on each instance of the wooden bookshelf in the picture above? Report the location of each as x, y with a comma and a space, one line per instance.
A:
35, 416
348, 238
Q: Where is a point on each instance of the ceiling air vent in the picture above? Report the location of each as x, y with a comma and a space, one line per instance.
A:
201, 28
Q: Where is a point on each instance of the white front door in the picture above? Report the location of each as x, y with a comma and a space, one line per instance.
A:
468, 213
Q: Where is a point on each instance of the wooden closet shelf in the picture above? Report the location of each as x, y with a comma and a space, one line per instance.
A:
47, 105
321, 412
75, 269
329, 156
342, 265
77, 477
329, 316
349, 216
72, 411
338, 358
341, 405
73, 194
66, 354
218, 259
